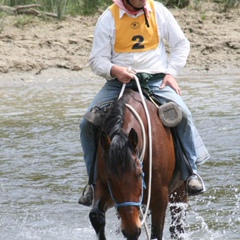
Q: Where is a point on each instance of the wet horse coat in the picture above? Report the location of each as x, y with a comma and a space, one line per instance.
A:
121, 173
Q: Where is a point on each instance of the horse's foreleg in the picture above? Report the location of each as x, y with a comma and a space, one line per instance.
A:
97, 218
178, 203
102, 201
159, 205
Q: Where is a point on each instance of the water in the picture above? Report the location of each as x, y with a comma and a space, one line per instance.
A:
42, 169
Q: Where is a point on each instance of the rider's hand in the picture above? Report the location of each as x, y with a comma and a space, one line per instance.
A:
123, 74
169, 80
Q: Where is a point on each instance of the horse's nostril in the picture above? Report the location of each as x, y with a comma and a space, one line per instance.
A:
139, 231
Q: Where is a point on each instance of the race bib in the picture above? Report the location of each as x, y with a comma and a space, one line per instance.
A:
132, 34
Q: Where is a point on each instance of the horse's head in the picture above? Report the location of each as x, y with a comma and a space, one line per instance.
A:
125, 178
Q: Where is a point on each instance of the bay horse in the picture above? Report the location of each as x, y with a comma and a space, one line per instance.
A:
123, 177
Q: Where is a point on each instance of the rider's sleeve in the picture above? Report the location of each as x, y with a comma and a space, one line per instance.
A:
100, 57
178, 43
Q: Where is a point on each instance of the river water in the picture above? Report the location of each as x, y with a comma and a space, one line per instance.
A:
42, 171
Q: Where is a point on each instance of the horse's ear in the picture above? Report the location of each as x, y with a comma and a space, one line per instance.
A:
133, 138
105, 141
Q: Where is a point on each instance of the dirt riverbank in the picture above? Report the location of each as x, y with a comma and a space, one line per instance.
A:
29, 46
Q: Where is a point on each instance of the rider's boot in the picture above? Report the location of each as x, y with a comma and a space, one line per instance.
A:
87, 196
195, 185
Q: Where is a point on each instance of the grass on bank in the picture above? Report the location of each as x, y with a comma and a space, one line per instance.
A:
87, 7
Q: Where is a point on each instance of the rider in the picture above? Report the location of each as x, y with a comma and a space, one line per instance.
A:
130, 39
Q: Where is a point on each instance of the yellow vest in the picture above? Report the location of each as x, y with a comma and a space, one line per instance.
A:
132, 34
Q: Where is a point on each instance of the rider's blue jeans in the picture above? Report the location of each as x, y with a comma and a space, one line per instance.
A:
186, 130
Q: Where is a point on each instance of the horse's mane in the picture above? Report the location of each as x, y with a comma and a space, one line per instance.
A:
119, 155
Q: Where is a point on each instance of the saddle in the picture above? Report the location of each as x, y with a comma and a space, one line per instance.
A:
169, 113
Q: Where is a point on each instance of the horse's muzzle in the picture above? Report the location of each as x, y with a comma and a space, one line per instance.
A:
132, 236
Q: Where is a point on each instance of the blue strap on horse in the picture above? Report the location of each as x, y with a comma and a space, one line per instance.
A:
127, 204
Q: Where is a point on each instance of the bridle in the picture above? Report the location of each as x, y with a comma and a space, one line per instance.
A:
129, 203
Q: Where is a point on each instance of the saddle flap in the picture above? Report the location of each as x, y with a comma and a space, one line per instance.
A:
96, 118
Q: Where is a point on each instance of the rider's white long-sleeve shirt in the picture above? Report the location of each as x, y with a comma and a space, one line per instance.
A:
103, 56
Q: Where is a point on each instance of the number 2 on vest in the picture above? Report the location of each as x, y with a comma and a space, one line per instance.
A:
138, 45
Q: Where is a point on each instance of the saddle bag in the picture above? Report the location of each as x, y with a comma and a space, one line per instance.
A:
170, 114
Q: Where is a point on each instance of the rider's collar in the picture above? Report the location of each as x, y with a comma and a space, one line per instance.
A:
124, 10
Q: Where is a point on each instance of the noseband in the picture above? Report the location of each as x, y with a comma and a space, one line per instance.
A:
127, 204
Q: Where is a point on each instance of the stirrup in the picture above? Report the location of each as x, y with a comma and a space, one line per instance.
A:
87, 199
199, 192
204, 188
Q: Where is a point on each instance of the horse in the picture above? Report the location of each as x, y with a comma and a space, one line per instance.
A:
123, 164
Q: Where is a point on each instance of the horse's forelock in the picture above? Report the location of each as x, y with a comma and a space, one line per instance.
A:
119, 156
